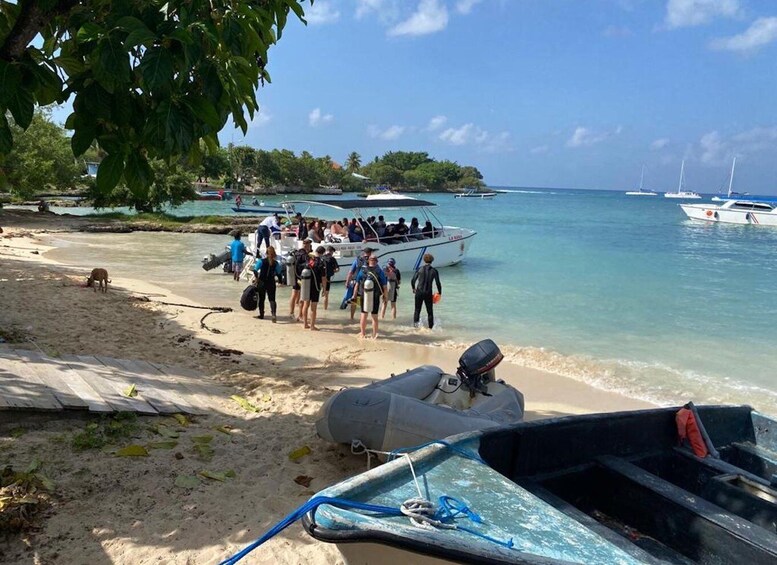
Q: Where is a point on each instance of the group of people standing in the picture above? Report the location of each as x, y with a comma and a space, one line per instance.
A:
369, 287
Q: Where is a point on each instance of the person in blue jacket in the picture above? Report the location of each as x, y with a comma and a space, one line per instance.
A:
238, 251
371, 271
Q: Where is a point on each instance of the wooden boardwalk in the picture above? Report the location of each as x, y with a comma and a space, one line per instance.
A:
32, 381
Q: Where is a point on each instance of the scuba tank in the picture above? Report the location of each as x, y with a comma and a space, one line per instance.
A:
305, 282
368, 297
291, 273
392, 291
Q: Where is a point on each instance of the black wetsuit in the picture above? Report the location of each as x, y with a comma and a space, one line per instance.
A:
265, 280
422, 283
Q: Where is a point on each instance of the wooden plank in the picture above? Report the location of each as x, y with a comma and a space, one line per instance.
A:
199, 400
162, 403
159, 384
111, 385
15, 390
37, 392
80, 380
54, 375
203, 393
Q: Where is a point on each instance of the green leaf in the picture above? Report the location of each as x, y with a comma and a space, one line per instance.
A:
132, 451
163, 444
111, 65
138, 173
187, 481
130, 392
202, 439
140, 37
70, 64
167, 432
11, 79
109, 173
6, 137
245, 404
299, 453
22, 107
130, 23
205, 111
156, 67
182, 420
88, 32
218, 476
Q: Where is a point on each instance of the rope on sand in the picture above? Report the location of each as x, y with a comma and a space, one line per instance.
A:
213, 310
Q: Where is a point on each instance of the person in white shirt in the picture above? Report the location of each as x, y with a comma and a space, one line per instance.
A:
268, 226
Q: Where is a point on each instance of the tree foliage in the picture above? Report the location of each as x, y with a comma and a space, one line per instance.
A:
148, 80
41, 158
416, 170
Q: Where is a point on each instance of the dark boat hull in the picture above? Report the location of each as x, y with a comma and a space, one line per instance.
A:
622, 477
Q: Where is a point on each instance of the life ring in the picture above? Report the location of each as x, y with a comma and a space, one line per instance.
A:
709, 213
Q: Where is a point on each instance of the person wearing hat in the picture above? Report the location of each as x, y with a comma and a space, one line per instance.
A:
301, 257
266, 228
394, 277
425, 277
358, 264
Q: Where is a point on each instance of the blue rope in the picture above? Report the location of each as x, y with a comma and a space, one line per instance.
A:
311, 504
449, 508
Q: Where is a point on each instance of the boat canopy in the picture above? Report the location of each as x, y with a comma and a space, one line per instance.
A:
363, 204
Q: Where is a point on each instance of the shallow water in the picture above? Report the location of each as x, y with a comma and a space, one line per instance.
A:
621, 292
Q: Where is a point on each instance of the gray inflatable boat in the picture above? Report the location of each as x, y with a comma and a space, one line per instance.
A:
423, 404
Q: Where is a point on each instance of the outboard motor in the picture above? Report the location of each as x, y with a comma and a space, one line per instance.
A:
306, 280
368, 296
476, 366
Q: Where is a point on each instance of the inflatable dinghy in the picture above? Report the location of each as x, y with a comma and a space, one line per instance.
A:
423, 404
212, 261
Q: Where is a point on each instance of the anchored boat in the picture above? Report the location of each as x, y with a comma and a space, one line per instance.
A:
601, 488
448, 244
740, 211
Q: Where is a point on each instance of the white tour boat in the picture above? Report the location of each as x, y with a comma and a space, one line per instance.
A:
744, 212
448, 244
641, 191
472, 193
730, 195
681, 192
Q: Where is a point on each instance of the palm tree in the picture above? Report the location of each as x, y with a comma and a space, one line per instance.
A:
353, 162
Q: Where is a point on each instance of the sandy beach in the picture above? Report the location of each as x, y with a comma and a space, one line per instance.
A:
108, 509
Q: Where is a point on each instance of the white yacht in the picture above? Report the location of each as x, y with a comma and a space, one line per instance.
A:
642, 191
730, 195
448, 244
681, 192
744, 212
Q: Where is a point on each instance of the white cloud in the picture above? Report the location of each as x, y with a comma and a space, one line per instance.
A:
539, 150
659, 144
760, 33
436, 123
317, 118
458, 136
261, 118
321, 12
714, 149
465, 6
687, 13
365, 7
389, 134
585, 137
430, 17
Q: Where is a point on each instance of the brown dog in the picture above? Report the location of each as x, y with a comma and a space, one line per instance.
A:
99, 276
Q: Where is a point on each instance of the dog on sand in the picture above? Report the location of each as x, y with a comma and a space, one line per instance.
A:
99, 277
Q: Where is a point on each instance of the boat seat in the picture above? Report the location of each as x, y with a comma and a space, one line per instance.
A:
722, 467
758, 460
696, 527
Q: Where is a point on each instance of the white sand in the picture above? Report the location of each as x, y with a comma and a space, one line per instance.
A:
127, 510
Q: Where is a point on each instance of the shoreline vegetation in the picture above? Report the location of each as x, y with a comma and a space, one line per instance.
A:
107, 508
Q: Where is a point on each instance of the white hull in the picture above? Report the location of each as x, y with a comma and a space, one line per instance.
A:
720, 214
641, 193
448, 249
483, 195
683, 195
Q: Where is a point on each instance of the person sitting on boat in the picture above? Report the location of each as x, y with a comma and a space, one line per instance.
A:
355, 233
302, 227
401, 230
428, 230
266, 228
314, 232
380, 226
415, 231
255, 202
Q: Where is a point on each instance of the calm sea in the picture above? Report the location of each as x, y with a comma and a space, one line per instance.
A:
621, 292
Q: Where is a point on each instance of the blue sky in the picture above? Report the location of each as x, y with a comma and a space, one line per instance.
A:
563, 93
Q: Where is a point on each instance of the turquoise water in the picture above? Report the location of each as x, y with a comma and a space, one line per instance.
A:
621, 292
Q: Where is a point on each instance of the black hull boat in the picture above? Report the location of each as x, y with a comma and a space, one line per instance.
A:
602, 488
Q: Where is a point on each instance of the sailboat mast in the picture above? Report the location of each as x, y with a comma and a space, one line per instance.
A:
731, 179
682, 172
642, 178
